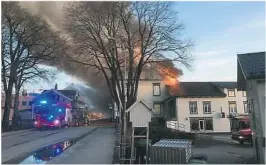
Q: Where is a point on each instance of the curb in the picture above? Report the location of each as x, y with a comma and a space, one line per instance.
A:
216, 139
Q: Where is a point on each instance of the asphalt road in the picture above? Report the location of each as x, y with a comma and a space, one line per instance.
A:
223, 153
18, 145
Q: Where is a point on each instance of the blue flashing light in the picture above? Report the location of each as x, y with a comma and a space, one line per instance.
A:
60, 110
43, 101
57, 150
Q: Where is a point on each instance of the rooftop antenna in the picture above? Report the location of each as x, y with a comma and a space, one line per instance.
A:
55, 86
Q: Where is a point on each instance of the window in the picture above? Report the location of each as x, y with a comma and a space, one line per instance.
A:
30, 103
245, 107
193, 107
244, 93
231, 93
207, 107
194, 124
156, 89
24, 102
232, 107
157, 108
209, 124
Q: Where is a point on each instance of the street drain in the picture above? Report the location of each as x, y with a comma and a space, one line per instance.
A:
45, 154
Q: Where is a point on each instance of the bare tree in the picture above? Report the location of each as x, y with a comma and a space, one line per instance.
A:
108, 34
26, 41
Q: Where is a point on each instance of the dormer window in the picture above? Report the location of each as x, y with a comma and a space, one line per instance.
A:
231, 93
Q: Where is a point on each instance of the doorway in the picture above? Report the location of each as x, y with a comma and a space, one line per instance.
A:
201, 125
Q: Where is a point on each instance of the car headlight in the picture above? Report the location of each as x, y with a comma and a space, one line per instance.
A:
241, 137
36, 122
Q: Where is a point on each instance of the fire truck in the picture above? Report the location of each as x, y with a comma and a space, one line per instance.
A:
241, 130
54, 115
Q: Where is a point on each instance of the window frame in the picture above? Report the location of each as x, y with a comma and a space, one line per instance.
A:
156, 84
157, 103
245, 107
30, 103
244, 95
191, 103
232, 102
228, 90
209, 103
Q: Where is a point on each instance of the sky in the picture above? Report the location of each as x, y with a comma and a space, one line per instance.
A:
219, 31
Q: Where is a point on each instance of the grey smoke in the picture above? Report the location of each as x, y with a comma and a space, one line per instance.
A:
52, 12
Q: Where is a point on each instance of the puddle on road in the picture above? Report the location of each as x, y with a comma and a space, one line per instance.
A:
45, 154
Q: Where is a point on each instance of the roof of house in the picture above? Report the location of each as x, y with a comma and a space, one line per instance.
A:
68, 93
139, 102
252, 65
225, 84
196, 89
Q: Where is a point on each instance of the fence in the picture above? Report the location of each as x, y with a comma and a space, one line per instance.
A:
175, 125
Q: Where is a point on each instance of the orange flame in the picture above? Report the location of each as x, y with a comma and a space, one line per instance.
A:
170, 77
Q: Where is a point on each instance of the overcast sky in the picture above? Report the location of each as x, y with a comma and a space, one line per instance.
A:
220, 31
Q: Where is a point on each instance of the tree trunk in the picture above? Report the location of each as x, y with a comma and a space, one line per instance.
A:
8, 106
16, 104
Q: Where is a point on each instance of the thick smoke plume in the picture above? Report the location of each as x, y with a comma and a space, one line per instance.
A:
53, 13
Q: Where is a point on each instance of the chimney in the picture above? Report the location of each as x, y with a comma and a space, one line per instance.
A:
55, 86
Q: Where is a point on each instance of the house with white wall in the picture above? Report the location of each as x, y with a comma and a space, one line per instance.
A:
204, 107
251, 77
153, 92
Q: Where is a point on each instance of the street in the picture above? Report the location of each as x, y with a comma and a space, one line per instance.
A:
223, 153
18, 146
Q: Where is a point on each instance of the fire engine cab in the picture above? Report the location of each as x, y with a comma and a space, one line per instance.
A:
52, 109
241, 130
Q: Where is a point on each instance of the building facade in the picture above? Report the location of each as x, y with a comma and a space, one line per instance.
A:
153, 92
205, 106
24, 105
251, 77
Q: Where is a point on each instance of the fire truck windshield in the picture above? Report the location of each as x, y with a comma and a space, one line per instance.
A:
42, 110
244, 125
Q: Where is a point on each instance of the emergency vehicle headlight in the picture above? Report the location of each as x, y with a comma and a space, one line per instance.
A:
56, 121
36, 122
43, 101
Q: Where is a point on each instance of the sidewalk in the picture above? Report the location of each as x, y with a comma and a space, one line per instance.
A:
221, 138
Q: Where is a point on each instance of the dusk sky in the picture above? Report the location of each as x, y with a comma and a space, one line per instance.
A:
220, 31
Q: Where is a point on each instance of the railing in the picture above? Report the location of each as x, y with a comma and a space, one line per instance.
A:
175, 125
